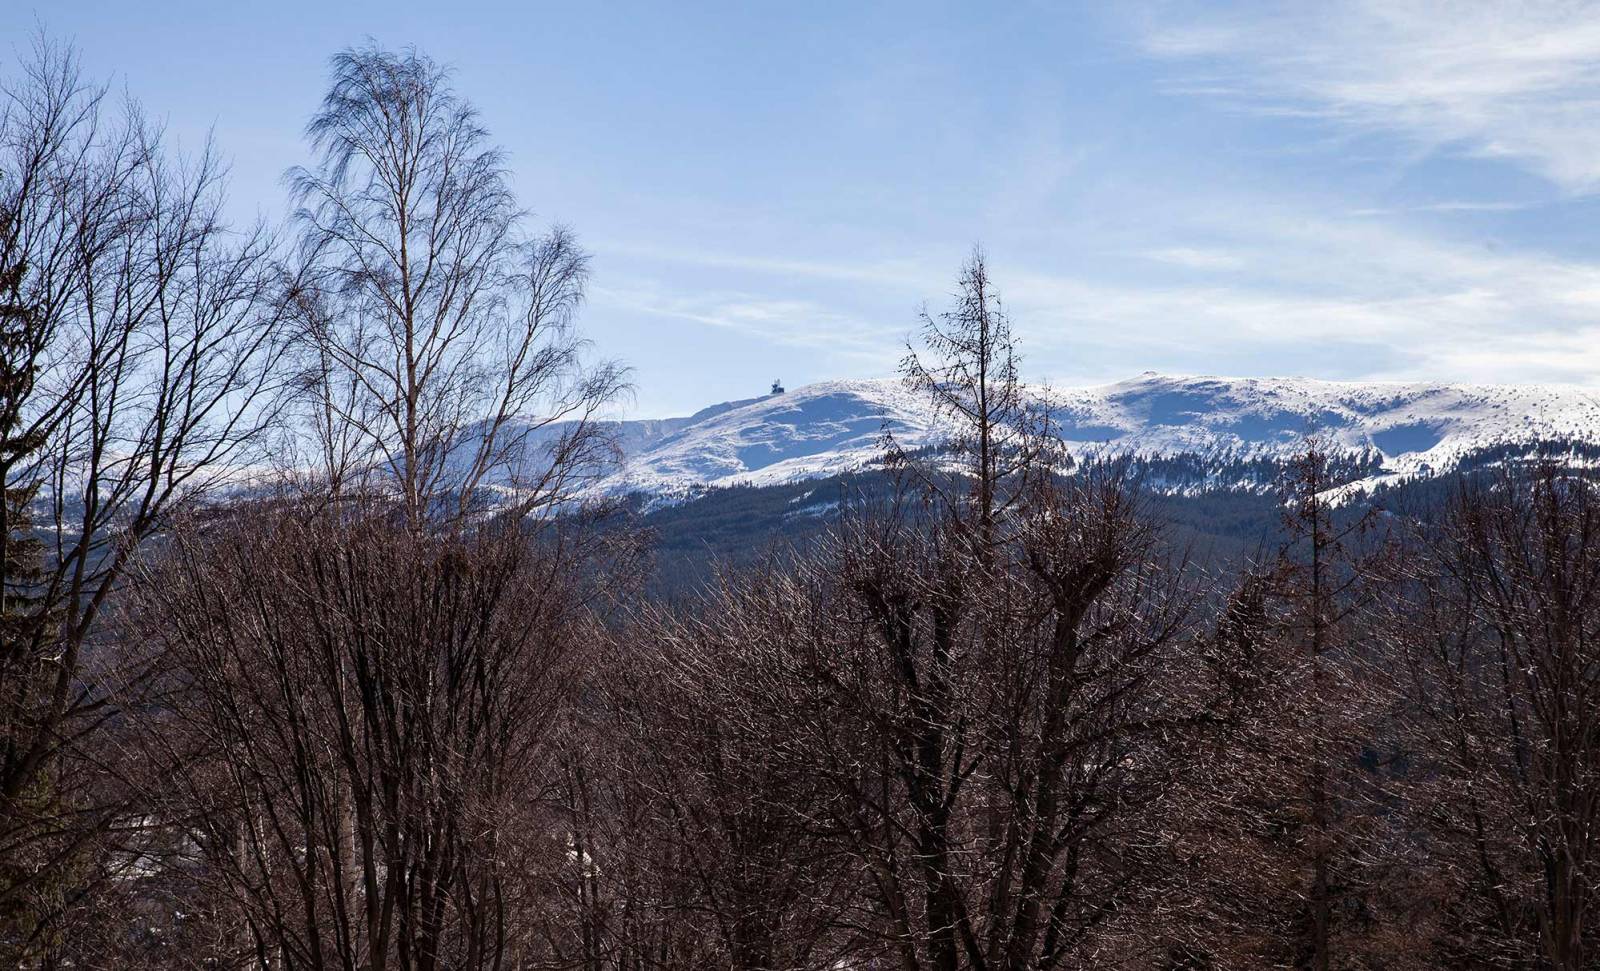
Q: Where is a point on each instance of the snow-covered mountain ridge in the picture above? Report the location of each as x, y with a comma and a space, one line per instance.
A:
837, 426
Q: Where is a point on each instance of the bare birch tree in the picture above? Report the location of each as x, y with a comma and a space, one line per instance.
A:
443, 354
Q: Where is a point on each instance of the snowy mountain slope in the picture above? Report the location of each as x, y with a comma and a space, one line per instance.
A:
820, 429
837, 426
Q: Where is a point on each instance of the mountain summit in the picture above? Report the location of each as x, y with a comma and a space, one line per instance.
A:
837, 426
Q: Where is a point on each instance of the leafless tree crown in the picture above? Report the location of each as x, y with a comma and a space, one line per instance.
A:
442, 353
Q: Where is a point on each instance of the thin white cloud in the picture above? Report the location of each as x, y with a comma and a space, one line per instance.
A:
896, 273
1511, 80
1328, 297
1195, 258
1446, 206
784, 322
1324, 296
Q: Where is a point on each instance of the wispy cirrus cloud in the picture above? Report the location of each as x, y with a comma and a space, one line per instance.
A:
1518, 81
1270, 289
1195, 257
783, 321
1449, 205
897, 273
1332, 297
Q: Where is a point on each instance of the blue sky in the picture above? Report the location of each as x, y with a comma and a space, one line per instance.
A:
1389, 189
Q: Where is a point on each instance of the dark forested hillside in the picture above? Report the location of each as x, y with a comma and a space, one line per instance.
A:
1233, 523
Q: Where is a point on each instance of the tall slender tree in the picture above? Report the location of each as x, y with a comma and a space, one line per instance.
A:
967, 372
443, 356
